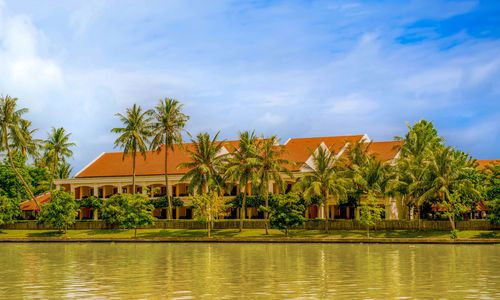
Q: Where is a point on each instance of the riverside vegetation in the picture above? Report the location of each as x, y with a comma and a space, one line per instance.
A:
427, 173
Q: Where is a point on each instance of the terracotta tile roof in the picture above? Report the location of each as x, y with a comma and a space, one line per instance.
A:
298, 150
483, 163
385, 150
30, 204
112, 163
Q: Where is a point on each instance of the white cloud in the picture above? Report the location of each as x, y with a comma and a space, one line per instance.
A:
272, 119
353, 104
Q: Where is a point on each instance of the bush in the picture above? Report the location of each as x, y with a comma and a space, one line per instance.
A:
91, 202
286, 211
60, 212
9, 210
128, 211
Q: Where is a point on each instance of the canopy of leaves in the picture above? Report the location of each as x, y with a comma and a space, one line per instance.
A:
208, 207
91, 202
60, 212
161, 202
9, 210
286, 211
127, 211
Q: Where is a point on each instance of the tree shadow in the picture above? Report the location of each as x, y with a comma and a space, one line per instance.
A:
45, 234
104, 231
486, 235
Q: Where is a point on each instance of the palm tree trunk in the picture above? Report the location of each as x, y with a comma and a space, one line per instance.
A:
52, 173
20, 177
133, 172
243, 208
169, 200
209, 229
325, 212
266, 213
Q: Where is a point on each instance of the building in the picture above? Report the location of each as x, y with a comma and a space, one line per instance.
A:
110, 174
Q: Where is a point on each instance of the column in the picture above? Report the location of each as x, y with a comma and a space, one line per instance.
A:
321, 211
144, 189
177, 190
96, 191
73, 190
120, 188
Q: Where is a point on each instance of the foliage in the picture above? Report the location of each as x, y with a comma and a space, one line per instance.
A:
205, 164
134, 136
60, 212
286, 211
167, 127
57, 150
9, 210
161, 202
127, 211
208, 207
370, 213
251, 201
327, 179
91, 202
493, 193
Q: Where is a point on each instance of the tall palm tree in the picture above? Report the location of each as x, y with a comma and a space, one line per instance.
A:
205, 165
420, 142
447, 182
270, 167
14, 135
241, 167
63, 170
57, 147
134, 136
168, 124
327, 179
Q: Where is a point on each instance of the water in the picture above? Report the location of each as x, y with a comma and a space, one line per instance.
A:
253, 271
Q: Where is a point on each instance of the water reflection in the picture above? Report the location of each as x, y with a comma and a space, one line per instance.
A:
185, 271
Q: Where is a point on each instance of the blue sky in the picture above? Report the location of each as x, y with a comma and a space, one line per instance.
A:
292, 68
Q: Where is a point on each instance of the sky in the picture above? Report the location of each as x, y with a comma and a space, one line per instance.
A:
291, 68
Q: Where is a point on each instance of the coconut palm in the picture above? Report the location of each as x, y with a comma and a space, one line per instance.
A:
241, 167
327, 179
134, 136
205, 164
419, 144
448, 182
64, 170
15, 136
57, 150
270, 167
168, 124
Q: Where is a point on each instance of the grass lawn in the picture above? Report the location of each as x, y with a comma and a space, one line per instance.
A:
233, 233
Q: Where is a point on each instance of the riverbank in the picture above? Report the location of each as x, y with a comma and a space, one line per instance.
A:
249, 236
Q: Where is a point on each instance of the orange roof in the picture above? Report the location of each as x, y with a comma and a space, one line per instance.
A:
483, 163
30, 204
298, 150
112, 163
385, 150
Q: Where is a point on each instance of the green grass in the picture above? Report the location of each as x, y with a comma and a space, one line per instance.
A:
233, 233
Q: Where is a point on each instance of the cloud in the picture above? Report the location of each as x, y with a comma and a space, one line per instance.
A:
272, 119
353, 104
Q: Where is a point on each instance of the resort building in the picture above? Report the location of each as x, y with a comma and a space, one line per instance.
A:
110, 174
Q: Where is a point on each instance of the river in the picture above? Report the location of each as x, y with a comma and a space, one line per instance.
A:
252, 271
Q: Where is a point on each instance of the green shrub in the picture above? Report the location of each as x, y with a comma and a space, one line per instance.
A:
286, 211
9, 210
60, 212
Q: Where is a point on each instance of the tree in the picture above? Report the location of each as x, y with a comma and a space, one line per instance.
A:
326, 179
64, 170
412, 166
208, 207
9, 210
14, 136
241, 167
447, 182
286, 211
169, 122
60, 212
270, 166
493, 192
370, 212
134, 136
57, 150
205, 164
128, 211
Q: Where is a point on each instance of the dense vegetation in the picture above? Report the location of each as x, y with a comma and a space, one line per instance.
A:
432, 179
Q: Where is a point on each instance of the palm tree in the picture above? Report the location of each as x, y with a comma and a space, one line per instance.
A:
57, 147
14, 135
241, 167
270, 166
327, 179
134, 136
420, 142
63, 170
169, 122
447, 182
205, 165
